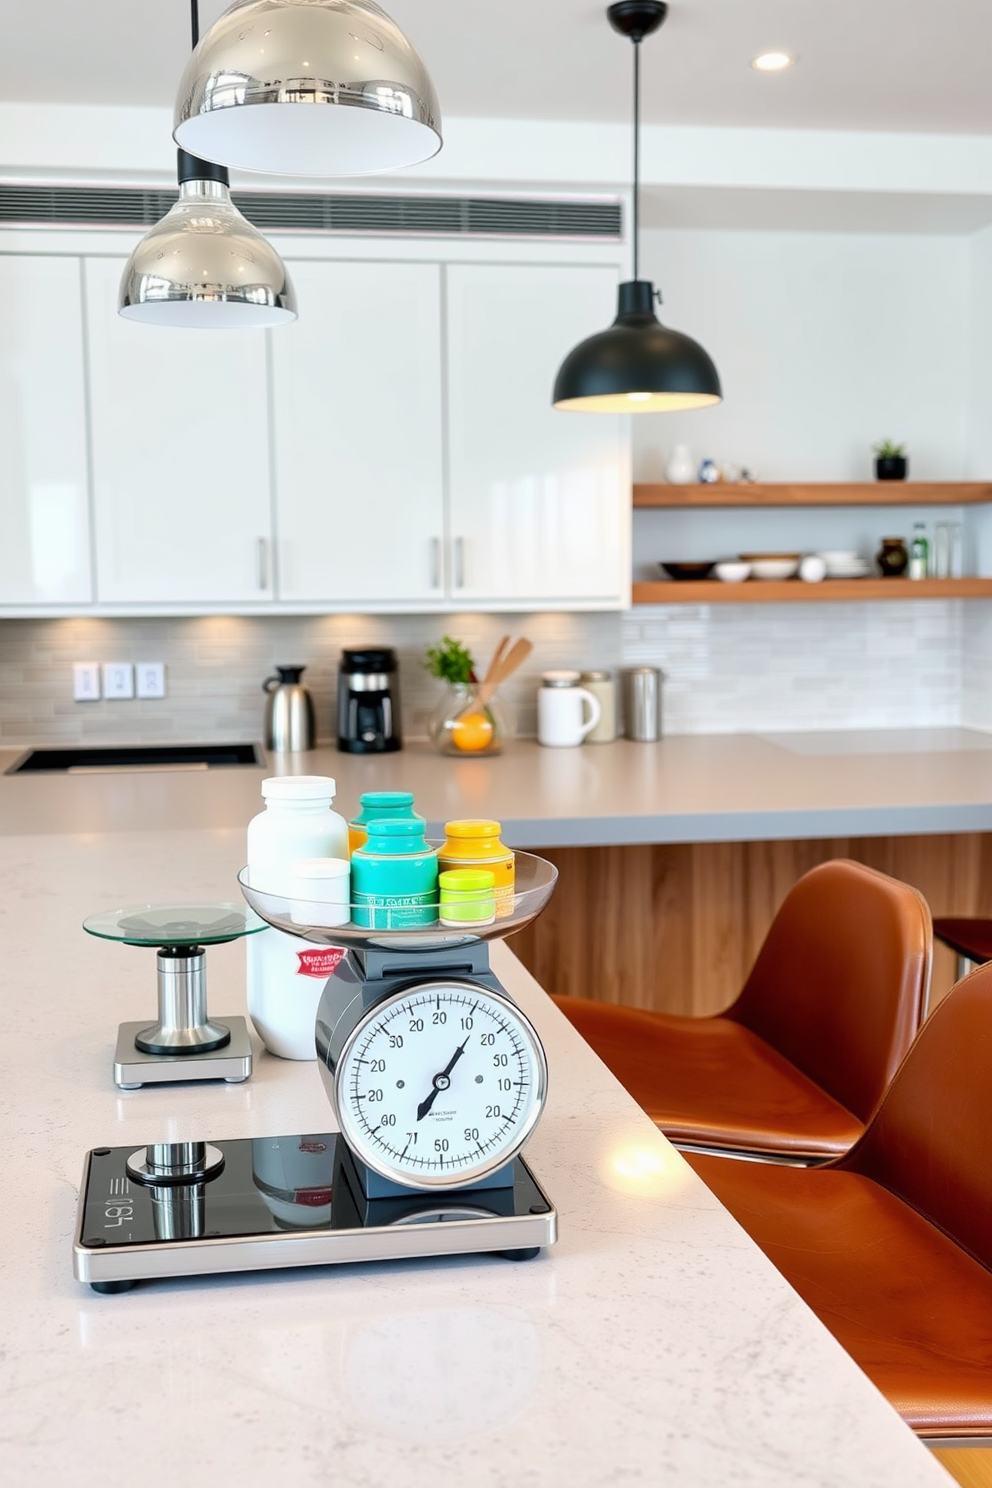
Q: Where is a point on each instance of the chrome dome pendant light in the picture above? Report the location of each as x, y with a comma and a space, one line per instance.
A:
307, 88
204, 266
637, 365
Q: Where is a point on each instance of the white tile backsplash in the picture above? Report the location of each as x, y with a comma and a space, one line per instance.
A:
728, 668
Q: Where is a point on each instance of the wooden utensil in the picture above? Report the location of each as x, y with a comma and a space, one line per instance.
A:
503, 668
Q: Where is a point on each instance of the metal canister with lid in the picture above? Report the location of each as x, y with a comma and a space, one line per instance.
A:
642, 703
602, 686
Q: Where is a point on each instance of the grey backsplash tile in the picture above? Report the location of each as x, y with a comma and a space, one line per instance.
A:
728, 668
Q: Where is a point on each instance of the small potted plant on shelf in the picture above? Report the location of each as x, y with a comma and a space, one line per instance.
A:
891, 462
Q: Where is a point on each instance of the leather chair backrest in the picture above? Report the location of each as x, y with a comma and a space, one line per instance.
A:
930, 1141
840, 984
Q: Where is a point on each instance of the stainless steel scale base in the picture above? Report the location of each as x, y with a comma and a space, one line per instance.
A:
193, 1209
134, 1068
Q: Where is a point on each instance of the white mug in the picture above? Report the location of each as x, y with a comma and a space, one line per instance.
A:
561, 707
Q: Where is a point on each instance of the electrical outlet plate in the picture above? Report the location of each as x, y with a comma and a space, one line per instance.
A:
150, 679
118, 680
86, 681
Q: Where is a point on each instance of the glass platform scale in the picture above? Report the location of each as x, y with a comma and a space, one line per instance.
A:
436, 1079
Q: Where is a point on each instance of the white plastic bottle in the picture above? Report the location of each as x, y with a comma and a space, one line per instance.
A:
286, 975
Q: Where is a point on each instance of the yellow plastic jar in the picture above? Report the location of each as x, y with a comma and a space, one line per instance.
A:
476, 844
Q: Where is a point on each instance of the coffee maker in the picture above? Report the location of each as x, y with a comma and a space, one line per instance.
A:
369, 702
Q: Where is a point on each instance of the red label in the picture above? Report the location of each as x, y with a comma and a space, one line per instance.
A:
313, 1198
320, 963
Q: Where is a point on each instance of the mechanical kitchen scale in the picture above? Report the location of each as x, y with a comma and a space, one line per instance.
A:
436, 1079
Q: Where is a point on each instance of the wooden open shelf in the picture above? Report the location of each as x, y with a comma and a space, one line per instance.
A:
768, 591
850, 493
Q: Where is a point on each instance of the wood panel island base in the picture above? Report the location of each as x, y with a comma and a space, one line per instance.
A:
675, 927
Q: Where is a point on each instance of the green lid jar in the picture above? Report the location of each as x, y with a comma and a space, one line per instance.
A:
394, 876
467, 897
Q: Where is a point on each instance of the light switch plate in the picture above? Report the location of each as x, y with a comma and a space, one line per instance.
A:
86, 681
118, 680
150, 679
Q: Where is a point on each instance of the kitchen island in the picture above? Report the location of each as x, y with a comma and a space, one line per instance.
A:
674, 856
653, 1344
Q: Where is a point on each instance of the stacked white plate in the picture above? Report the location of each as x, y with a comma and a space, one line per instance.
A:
843, 564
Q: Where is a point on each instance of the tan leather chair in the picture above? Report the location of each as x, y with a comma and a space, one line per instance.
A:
891, 1245
800, 1061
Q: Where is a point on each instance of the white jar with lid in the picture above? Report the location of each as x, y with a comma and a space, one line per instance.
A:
285, 975
602, 686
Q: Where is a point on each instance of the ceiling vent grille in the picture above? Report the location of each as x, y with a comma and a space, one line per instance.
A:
407, 216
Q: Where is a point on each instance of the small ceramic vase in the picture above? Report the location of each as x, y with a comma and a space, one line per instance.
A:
892, 557
680, 469
709, 472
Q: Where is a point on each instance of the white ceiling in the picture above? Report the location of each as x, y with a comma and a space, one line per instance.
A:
905, 65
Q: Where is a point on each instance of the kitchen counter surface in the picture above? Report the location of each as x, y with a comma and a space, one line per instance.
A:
689, 788
654, 1344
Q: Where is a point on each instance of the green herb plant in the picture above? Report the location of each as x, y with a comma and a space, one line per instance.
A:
886, 450
451, 661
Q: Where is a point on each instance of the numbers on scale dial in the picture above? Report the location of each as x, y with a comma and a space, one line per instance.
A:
442, 1082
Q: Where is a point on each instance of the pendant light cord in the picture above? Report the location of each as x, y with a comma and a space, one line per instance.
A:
637, 151
194, 21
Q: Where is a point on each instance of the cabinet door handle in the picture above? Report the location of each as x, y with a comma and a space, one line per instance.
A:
435, 563
459, 563
263, 563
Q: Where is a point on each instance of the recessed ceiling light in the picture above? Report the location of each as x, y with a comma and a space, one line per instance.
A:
773, 61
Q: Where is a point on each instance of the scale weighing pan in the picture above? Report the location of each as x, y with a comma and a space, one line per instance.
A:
535, 883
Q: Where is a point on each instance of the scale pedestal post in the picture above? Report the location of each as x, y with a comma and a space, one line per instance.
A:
185, 1043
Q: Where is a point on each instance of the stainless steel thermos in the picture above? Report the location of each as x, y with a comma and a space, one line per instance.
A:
641, 702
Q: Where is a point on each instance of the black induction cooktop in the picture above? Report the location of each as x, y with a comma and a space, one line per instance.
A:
137, 756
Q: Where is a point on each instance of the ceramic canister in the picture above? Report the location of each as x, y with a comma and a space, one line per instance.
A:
394, 877
378, 806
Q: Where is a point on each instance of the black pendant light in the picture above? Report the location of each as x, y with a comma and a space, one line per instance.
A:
637, 365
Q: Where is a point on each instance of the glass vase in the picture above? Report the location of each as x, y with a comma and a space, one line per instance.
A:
461, 725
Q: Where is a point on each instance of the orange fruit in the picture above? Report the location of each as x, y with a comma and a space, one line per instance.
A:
472, 732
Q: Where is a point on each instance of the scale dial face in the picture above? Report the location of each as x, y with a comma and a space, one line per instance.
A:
440, 1084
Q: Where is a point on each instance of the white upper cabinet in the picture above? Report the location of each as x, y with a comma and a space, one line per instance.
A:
180, 440
45, 552
538, 499
358, 436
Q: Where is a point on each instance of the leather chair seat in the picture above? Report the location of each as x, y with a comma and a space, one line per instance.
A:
912, 1307
696, 1077
971, 939
800, 1060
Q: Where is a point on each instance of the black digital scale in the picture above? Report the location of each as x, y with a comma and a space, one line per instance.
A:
435, 1076
264, 1203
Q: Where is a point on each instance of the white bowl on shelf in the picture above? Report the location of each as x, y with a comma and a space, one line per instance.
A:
732, 572
772, 566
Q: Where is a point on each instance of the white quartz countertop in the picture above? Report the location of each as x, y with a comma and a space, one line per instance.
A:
690, 788
653, 1344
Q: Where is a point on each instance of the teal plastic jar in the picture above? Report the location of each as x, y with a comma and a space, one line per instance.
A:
394, 877
380, 806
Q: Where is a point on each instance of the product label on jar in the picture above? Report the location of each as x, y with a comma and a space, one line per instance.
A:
394, 911
320, 962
